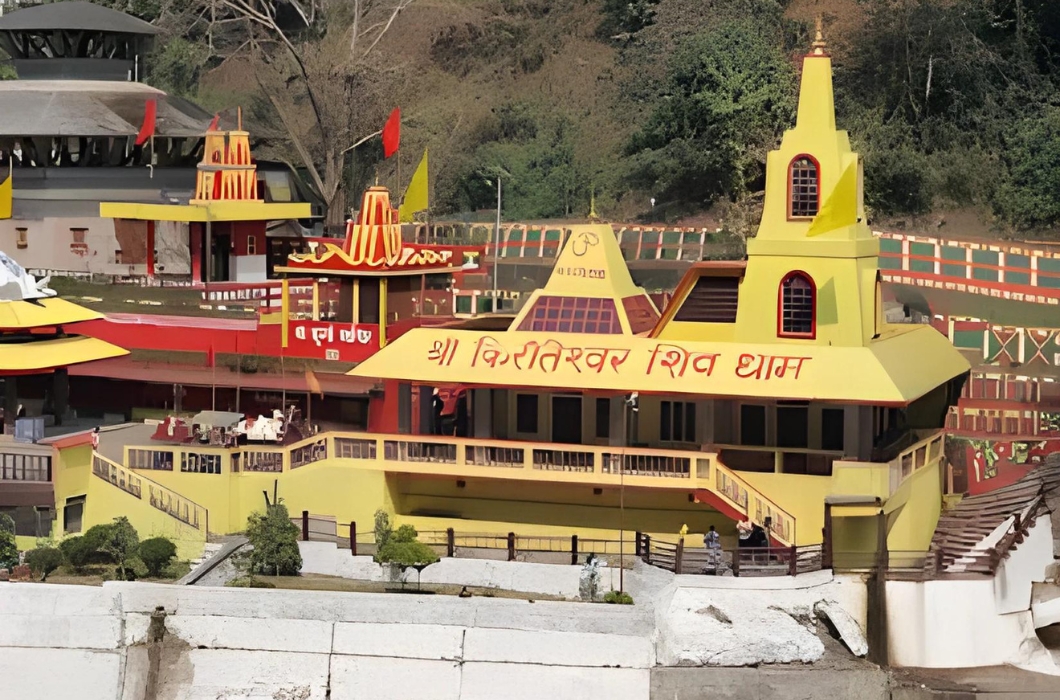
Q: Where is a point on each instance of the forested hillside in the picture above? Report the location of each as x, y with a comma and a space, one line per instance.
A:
954, 104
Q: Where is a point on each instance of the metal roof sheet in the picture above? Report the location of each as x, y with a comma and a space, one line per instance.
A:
74, 15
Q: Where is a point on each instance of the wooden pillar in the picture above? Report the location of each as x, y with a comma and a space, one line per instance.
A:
353, 538
450, 542
305, 525
10, 403
383, 290
573, 550
150, 249
426, 409
60, 393
827, 542
511, 546
404, 407
482, 413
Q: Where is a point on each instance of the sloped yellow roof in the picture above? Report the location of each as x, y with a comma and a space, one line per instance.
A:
41, 355
214, 211
880, 373
21, 315
591, 266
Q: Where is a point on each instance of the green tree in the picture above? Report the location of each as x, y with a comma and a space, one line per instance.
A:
44, 560
402, 548
1030, 197
729, 92
382, 529
121, 543
274, 539
156, 554
8, 549
78, 552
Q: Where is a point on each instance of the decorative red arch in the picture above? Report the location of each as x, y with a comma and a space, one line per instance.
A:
791, 277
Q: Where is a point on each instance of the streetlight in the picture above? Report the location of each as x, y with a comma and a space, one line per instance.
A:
499, 172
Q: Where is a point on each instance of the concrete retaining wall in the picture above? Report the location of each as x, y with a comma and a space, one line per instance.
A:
547, 579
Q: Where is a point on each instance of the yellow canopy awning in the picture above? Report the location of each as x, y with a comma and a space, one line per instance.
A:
21, 315
214, 211
896, 369
41, 355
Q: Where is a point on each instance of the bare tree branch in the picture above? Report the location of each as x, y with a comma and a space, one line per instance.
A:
366, 138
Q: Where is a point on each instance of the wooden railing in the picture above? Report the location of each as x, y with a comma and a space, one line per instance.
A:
158, 496
511, 459
742, 561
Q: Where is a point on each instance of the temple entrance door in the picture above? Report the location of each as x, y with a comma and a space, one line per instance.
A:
567, 419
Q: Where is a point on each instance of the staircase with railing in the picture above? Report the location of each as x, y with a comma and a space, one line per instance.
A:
154, 494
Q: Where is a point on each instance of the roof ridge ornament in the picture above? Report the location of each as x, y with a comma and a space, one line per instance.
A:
819, 46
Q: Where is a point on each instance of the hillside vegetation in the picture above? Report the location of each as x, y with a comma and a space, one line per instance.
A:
954, 104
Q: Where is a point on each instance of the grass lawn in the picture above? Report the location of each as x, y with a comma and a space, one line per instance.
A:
127, 298
320, 582
96, 574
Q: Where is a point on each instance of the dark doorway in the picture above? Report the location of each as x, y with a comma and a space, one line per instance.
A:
567, 419
220, 247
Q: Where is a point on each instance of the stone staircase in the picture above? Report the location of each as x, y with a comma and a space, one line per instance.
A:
208, 551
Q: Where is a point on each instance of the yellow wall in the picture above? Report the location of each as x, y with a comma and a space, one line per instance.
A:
105, 501
528, 508
912, 524
802, 496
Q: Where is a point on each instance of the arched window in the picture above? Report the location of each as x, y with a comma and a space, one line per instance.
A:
804, 195
798, 306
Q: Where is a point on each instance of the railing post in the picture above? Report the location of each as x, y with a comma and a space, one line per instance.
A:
679, 555
793, 568
573, 549
305, 525
353, 538
636, 546
736, 561
450, 543
647, 549
511, 546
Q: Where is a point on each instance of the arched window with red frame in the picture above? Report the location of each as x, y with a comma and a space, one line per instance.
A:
797, 315
804, 187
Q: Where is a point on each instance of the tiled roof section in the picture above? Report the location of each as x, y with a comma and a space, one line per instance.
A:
641, 313
973, 538
555, 314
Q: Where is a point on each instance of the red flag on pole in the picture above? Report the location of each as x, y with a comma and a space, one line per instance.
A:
213, 124
147, 129
392, 133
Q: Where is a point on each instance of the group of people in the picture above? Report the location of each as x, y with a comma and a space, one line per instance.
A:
748, 534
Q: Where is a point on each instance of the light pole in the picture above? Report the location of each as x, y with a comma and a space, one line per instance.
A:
497, 244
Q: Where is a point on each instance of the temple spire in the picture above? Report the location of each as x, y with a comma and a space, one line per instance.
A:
819, 46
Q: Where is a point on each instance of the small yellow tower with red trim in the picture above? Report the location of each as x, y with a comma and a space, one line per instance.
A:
226, 172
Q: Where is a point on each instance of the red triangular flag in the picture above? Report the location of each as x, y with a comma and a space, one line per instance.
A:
147, 130
392, 133
213, 124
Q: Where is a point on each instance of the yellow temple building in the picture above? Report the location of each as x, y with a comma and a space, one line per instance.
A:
770, 390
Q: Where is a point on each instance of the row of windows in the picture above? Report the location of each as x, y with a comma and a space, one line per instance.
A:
792, 423
677, 419
192, 462
23, 467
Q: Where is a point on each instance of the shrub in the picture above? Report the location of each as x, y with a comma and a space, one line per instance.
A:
618, 598
402, 548
78, 552
382, 530
8, 550
156, 554
44, 560
249, 582
275, 541
121, 542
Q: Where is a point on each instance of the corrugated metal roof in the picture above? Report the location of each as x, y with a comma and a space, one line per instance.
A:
74, 15
92, 108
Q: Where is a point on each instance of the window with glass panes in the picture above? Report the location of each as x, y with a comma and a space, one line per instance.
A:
804, 198
797, 305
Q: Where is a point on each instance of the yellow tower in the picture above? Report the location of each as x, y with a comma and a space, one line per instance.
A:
813, 264
226, 172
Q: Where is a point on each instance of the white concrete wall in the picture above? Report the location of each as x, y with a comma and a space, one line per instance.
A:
547, 579
955, 624
986, 622
248, 268
1025, 566
51, 246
